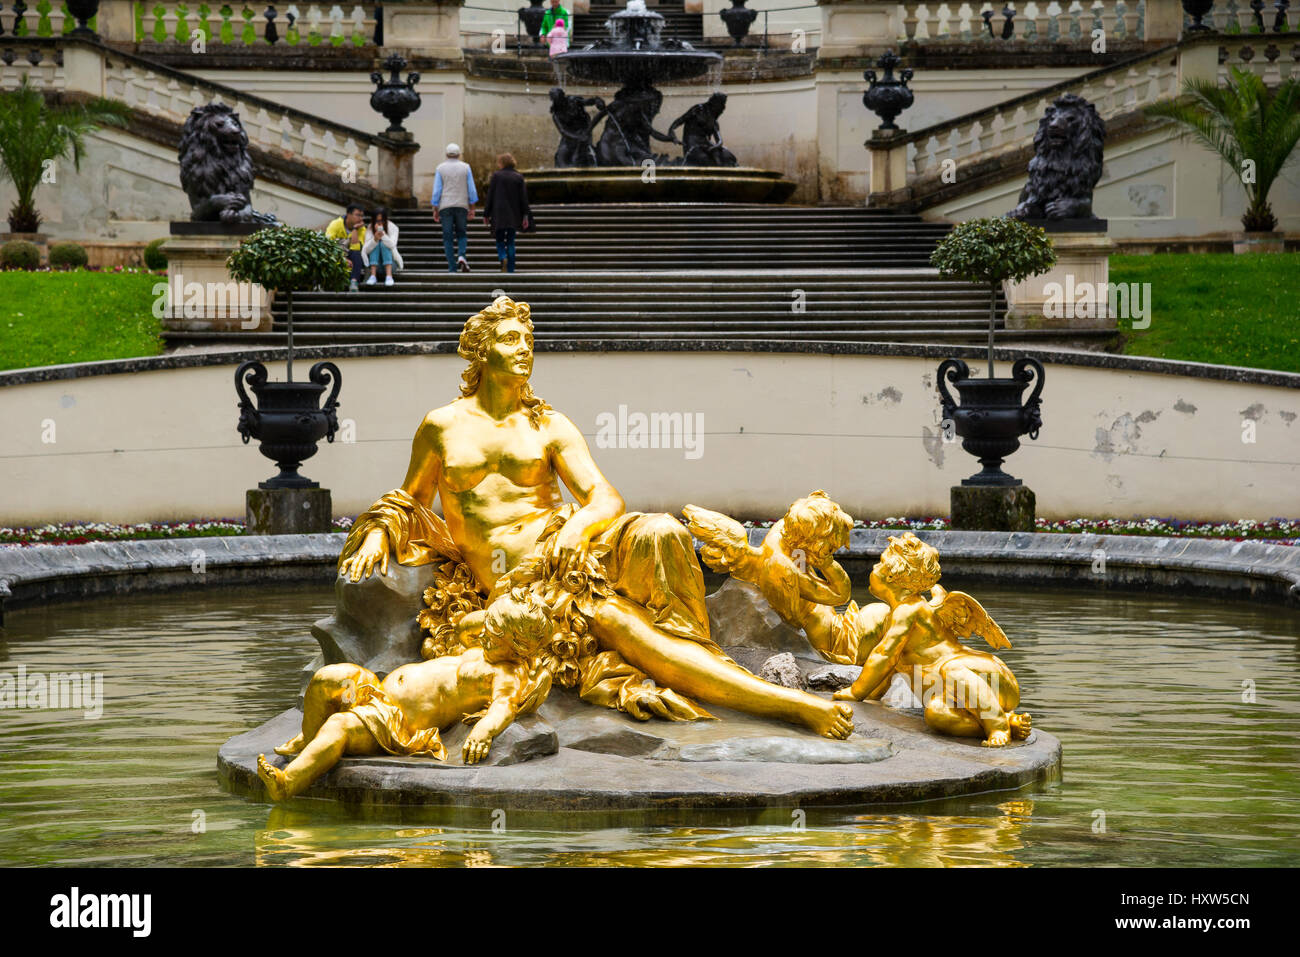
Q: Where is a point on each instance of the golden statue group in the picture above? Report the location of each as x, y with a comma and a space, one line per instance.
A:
531, 591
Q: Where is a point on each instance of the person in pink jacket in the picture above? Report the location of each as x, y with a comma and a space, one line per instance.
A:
558, 37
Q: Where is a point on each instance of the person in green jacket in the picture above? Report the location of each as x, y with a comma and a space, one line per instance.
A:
556, 12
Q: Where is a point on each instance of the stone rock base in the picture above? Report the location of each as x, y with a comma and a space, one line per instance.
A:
288, 511
571, 755
997, 508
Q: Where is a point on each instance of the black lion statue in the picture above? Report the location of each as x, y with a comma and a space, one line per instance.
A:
1066, 164
216, 172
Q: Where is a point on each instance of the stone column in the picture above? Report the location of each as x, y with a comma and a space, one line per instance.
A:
422, 28
83, 69
857, 27
1070, 295
201, 295
888, 166
115, 22
1163, 22
396, 173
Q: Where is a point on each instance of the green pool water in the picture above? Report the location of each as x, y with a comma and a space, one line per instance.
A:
1167, 760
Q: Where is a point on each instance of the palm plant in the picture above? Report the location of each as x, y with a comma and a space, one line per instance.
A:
1253, 128
32, 132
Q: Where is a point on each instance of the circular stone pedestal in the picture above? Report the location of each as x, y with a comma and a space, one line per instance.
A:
573, 756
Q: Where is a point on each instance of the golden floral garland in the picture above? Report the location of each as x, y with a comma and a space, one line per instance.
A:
571, 599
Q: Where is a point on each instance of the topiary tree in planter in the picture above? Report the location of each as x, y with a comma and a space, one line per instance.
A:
154, 258
287, 420
289, 259
1245, 123
20, 254
991, 418
32, 133
994, 251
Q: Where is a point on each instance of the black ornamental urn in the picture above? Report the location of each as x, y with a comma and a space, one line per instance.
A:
738, 19
991, 417
888, 96
83, 11
1197, 9
531, 17
288, 418
393, 98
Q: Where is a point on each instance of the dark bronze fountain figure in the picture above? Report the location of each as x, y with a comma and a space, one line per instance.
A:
701, 136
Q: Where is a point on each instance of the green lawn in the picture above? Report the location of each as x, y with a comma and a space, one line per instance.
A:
47, 318
1217, 307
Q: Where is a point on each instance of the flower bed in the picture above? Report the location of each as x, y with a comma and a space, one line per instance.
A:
1277, 531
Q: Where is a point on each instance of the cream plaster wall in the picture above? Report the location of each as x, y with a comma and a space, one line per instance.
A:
162, 445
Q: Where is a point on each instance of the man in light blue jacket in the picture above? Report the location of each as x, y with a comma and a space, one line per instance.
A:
454, 197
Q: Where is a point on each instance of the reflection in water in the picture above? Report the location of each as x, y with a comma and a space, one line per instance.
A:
1163, 747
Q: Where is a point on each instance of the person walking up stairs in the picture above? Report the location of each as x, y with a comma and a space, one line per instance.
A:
453, 201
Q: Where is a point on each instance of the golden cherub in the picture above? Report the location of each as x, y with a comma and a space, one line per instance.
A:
794, 569
347, 710
965, 692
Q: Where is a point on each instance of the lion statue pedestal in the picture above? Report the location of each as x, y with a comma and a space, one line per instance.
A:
1066, 167
217, 176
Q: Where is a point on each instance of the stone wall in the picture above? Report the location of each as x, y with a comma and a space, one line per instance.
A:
1120, 442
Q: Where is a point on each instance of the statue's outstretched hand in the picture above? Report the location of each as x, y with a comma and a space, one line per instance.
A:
373, 551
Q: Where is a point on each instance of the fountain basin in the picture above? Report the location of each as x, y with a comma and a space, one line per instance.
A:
670, 184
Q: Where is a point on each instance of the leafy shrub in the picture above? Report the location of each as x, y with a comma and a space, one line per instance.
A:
154, 257
20, 254
68, 256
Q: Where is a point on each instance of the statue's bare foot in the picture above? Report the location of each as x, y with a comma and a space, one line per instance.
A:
997, 739
833, 720
272, 777
292, 746
845, 694
1020, 725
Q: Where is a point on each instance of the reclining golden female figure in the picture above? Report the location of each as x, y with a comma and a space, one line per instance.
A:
347, 710
496, 458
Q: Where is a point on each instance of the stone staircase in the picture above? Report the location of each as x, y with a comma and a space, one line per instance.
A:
668, 273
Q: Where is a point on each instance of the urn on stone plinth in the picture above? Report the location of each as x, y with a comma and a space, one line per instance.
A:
738, 19
531, 17
84, 11
991, 417
1197, 9
394, 98
288, 418
888, 96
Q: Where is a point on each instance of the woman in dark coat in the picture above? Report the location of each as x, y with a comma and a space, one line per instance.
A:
505, 210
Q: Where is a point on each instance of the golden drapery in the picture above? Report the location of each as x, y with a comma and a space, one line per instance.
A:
386, 721
649, 559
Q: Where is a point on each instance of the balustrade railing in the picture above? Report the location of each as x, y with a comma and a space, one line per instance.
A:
246, 24
171, 95
1250, 16
1272, 61
1049, 20
1011, 125
43, 19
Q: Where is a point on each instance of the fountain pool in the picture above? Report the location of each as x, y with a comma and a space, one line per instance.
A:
1145, 691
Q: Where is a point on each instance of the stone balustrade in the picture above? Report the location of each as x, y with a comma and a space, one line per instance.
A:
1049, 20
247, 25
43, 19
905, 161
73, 65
